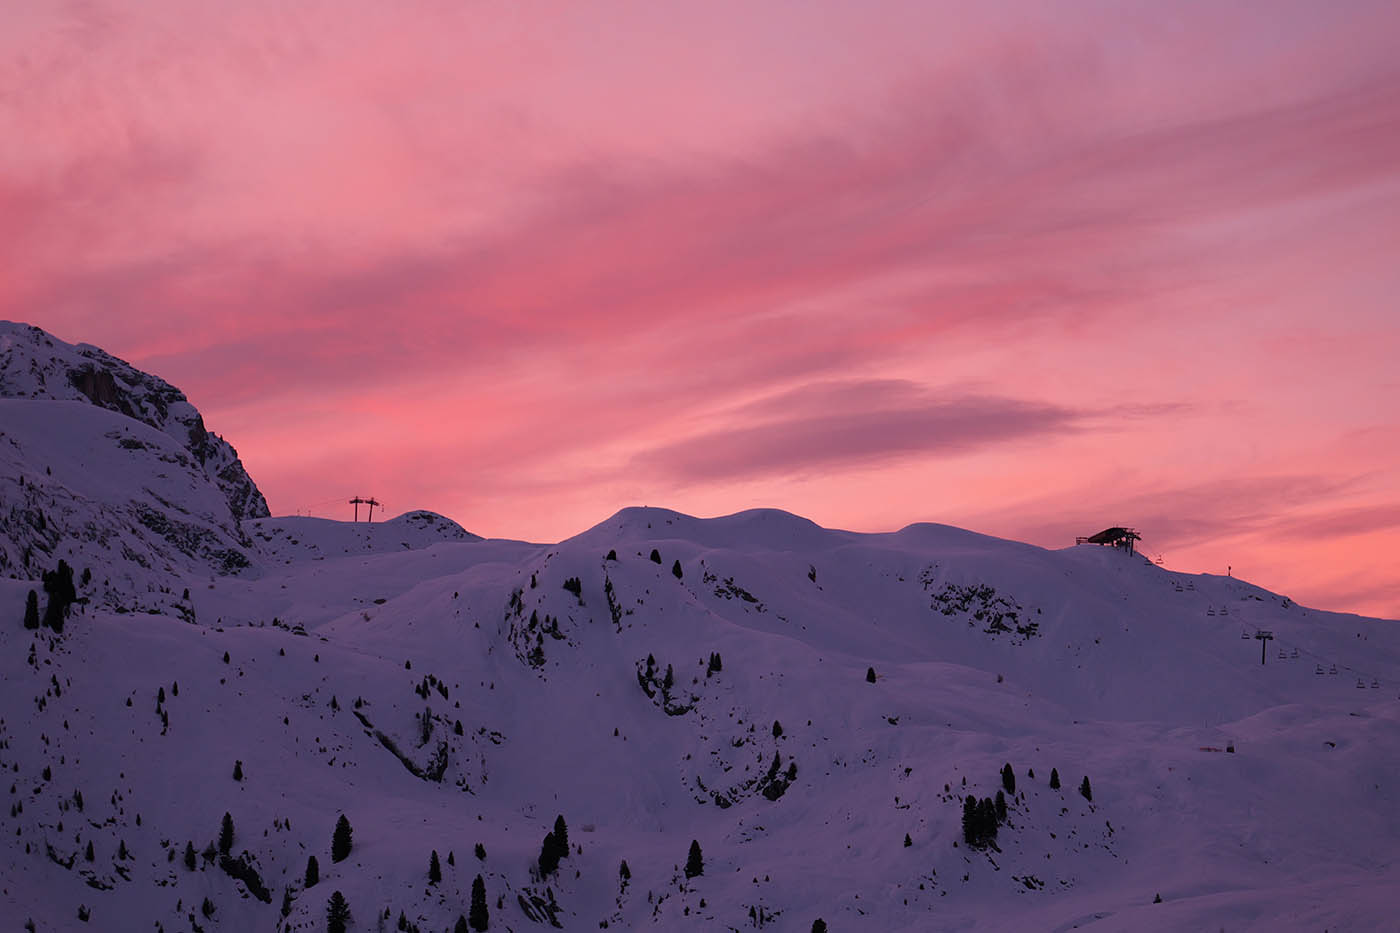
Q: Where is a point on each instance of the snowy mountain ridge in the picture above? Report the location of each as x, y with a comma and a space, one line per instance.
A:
862, 729
36, 365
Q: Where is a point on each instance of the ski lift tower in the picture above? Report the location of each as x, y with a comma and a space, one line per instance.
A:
1264, 638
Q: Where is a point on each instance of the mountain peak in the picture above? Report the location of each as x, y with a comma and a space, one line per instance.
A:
37, 366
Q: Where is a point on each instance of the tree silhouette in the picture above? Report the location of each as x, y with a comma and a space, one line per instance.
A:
31, 610
337, 913
478, 916
1054, 779
313, 871
434, 869
341, 842
1085, 790
226, 834
694, 861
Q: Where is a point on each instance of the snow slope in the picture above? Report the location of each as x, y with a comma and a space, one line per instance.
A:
444, 691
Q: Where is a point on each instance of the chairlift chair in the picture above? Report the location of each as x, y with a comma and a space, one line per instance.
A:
1295, 652
1376, 684
1333, 669
1282, 655
1224, 610
1318, 670
1360, 684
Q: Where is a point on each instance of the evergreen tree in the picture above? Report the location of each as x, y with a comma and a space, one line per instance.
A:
337, 913
819, 925
480, 852
970, 827
561, 834
694, 861
478, 915
777, 729
676, 571
549, 856
58, 584
238, 770
461, 925
907, 841
341, 843
655, 556
286, 902
313, 872
89, 854
1054, 779
189, 856
1001, 807
1008, 778
624, 872
1085, 790
226, 834
434, 869
870, 675
31, 610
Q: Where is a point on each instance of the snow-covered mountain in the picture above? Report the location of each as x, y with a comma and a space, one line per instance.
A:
811, 707
36, 365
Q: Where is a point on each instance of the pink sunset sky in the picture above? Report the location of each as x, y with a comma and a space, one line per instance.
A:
1027, 268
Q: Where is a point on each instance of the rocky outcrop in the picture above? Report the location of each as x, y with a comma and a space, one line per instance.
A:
36, 365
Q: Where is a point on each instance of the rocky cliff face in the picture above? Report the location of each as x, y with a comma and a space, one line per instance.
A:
36, 365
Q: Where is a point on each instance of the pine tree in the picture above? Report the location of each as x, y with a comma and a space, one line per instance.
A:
478, 915
89, 854
313, 872
907, 841
480, 851
777, 729
624, 872
58, 584
189, 856
1008, 778
1085, 790
286, 902
819, 925
461, 925
561, 834
694, 861
341, 843
676, 571
970, 827
1054, 779
337, 913
1001, 807
31, 610
434, 869
226, 834
655, 556
870, 675
549, 856
238, 769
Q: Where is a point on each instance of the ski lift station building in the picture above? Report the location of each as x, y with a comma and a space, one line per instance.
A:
1116, 536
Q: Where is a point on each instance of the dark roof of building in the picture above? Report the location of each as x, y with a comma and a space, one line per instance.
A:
1110, 535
